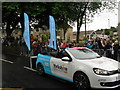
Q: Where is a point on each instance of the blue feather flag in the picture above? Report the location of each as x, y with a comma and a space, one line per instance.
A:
52, 28
26, 34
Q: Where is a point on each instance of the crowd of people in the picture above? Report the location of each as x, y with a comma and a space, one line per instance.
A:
104, 46
108, 46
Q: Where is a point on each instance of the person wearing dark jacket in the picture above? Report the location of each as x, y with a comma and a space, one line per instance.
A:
116, 47
108, 46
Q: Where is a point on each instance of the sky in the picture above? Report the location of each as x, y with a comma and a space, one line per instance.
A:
104, 20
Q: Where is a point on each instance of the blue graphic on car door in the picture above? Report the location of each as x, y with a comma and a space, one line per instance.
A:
45, 61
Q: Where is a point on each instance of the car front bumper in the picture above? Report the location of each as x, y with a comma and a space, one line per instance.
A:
101, 81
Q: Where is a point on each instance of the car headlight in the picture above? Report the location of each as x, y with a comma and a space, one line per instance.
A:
102, 72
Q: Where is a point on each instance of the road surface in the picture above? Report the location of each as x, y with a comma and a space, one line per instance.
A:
17, 74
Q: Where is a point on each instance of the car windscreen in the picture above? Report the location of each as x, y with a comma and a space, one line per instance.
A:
83, 53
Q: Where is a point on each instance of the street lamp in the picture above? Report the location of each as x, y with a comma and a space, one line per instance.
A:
108, 23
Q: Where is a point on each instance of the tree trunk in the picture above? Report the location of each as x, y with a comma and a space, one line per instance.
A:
64, 30
22, 17
12, 21
80, 21
78, 32
8, 30
22, 22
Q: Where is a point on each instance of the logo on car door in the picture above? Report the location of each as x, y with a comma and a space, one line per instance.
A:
60, 68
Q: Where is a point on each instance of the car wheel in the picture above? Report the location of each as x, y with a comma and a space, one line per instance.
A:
40, 69
81, 81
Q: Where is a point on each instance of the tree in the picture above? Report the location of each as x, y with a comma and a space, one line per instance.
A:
10, 18
13, 13
74, 12
78, 10
39, 13
82, 8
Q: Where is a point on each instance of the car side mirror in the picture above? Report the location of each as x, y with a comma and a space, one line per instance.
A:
66, 59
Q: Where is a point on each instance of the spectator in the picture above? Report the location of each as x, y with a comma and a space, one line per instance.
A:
116, 47
15, 42
108, 47
71, 45
20, 40
103, 43
89, 45
24, 48
99, 43
31, 38
35, 47
100, 50
64, 45
95, 45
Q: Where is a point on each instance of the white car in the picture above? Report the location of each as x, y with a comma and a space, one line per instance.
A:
82, 66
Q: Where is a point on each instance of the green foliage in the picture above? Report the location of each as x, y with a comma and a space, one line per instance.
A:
44, 37
81, 43
109, 31
39, 12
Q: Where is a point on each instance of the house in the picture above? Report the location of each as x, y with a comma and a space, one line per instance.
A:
82, 34
68, 35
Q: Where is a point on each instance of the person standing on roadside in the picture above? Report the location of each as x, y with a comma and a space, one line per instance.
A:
64, 45
116, 47
108, 46
89, 45
31, 38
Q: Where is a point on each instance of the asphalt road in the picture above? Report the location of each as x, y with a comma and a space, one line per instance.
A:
17, 74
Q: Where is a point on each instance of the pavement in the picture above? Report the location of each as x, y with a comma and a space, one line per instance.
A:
11, 50
15, 50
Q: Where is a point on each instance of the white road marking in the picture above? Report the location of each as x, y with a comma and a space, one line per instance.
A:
4, 60
33, 56
30, 69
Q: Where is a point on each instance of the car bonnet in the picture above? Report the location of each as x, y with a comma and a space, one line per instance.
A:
103, 63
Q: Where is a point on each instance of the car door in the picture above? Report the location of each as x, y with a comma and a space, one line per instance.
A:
61, 69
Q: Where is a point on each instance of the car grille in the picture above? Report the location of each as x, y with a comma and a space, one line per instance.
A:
110, 84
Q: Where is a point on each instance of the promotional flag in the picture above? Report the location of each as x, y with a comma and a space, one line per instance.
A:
52, 28
26, 34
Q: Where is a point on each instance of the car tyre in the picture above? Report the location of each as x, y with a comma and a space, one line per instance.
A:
81, 81
40, 69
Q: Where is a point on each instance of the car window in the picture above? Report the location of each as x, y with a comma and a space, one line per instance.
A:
83, 53
62, 54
